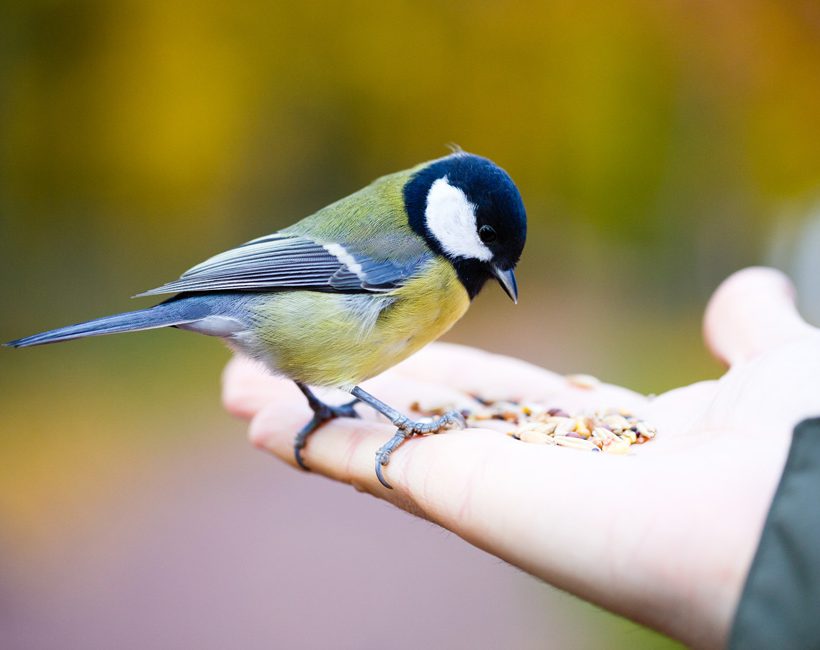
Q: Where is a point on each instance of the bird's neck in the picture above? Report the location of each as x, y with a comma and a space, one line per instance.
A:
473, 274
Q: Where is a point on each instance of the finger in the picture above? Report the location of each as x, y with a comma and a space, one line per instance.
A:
343, 449
247, 386
275, 426
495, 376
286, 411
680, 410
429, 474
751, 312
442, 375
457, 371
475, 371
508, 497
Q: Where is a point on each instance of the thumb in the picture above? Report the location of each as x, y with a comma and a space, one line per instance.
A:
751, 312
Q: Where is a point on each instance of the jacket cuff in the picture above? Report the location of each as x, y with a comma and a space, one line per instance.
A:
780, 603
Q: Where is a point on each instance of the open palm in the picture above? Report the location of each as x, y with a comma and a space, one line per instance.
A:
664, 535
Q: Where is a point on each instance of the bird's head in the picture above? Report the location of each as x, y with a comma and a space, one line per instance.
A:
469, 210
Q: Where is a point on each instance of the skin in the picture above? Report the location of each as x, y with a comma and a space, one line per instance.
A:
664, 536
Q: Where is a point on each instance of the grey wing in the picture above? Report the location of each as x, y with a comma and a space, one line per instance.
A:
285, 261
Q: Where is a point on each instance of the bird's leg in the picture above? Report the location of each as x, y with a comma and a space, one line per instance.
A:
406, 427
411, 427
383, 455
321, 413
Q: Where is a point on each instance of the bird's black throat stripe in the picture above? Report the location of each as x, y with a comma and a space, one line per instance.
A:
473, 274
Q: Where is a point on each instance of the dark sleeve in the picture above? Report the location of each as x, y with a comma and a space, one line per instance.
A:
780, 604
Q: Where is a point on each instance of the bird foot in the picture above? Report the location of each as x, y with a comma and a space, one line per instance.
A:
321, 413
408, 428
451, 419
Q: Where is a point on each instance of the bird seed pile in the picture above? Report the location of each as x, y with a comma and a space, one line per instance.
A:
613, 431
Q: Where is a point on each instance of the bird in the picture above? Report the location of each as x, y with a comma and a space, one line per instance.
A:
351, 290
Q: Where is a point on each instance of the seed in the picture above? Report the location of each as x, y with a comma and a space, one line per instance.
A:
564, 426
430, 409
604, 435
576, 443
611, 430
534, 432
532, 410
586, 382
482, 414
616, 423
616, 447
495, 425
537, 437
581, 427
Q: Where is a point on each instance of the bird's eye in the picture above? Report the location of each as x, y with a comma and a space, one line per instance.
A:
487, 234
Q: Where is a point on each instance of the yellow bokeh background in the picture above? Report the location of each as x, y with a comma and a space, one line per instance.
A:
659, 145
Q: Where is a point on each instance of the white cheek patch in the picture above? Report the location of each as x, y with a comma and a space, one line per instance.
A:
450, 218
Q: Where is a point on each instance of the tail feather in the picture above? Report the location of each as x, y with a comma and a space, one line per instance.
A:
166, 314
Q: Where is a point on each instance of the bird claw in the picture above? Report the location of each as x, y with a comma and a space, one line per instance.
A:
408, 428
321, 413
383, 454
405, 427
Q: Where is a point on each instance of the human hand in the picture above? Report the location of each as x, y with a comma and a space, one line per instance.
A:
664, 536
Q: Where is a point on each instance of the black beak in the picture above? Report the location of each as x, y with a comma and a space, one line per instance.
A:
507, 281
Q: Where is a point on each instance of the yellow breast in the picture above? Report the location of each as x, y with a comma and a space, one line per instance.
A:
326, 339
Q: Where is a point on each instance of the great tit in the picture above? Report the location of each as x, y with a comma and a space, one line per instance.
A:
353, 289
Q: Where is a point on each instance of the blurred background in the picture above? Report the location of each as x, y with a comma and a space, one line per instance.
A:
659, 145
